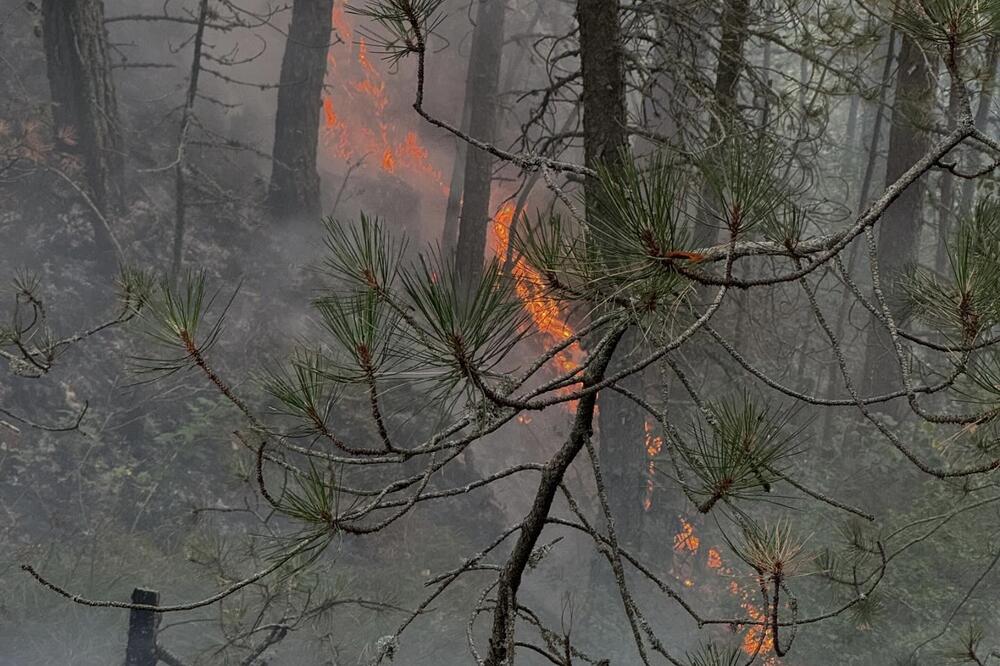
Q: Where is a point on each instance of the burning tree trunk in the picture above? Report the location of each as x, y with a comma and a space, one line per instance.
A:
294, 188
85, 107
606, 142
481, 96
899, 228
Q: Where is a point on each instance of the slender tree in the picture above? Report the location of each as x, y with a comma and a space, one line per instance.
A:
735, 21
481, 95
294, 187
899, 232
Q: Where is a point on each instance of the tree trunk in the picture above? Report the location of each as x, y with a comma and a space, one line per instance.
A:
141, 647
294, 188
620, 423
453, 209
899, 228
85, 106
834, 381
481, 92
735, 20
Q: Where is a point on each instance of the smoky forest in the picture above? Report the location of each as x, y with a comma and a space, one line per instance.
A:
494, 332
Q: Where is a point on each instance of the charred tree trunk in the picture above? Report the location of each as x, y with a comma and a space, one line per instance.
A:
735, 21
620, 424
482, 97
84, 104
294, 188
899, 228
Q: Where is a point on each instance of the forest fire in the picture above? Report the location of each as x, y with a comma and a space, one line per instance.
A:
531, 291
757, 639
355, 123
654, 444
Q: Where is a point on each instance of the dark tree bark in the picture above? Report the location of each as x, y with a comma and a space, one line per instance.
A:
899, 229
735, 20
482, 97
85, 106
620, 424
141, 647
294, 188
504, 615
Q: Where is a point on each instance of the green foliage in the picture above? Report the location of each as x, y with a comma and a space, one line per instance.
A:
303, 390
964, 303
175, 321
637, 221
403, 25
363, 255
966, 648
731, 460
948, 22
365, 328
771, 550
744, 186
460, 330
711, 654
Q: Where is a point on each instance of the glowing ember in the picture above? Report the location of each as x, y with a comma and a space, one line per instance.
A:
757, 639
685, 540
653, 447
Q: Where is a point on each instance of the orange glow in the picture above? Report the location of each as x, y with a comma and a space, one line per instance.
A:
685, 540
388, 161
531, 290
653, 447
757, 639
356, 119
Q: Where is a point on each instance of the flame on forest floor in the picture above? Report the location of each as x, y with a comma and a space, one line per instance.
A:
530, 288
653, 444
354, 113
757, 639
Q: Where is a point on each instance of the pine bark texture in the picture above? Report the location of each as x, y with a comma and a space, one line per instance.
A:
294, 188
84, 102
620, 424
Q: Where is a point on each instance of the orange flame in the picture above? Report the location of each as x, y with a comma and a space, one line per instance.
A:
530, 288
654, 444
685, 540
359, 126
757, 639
